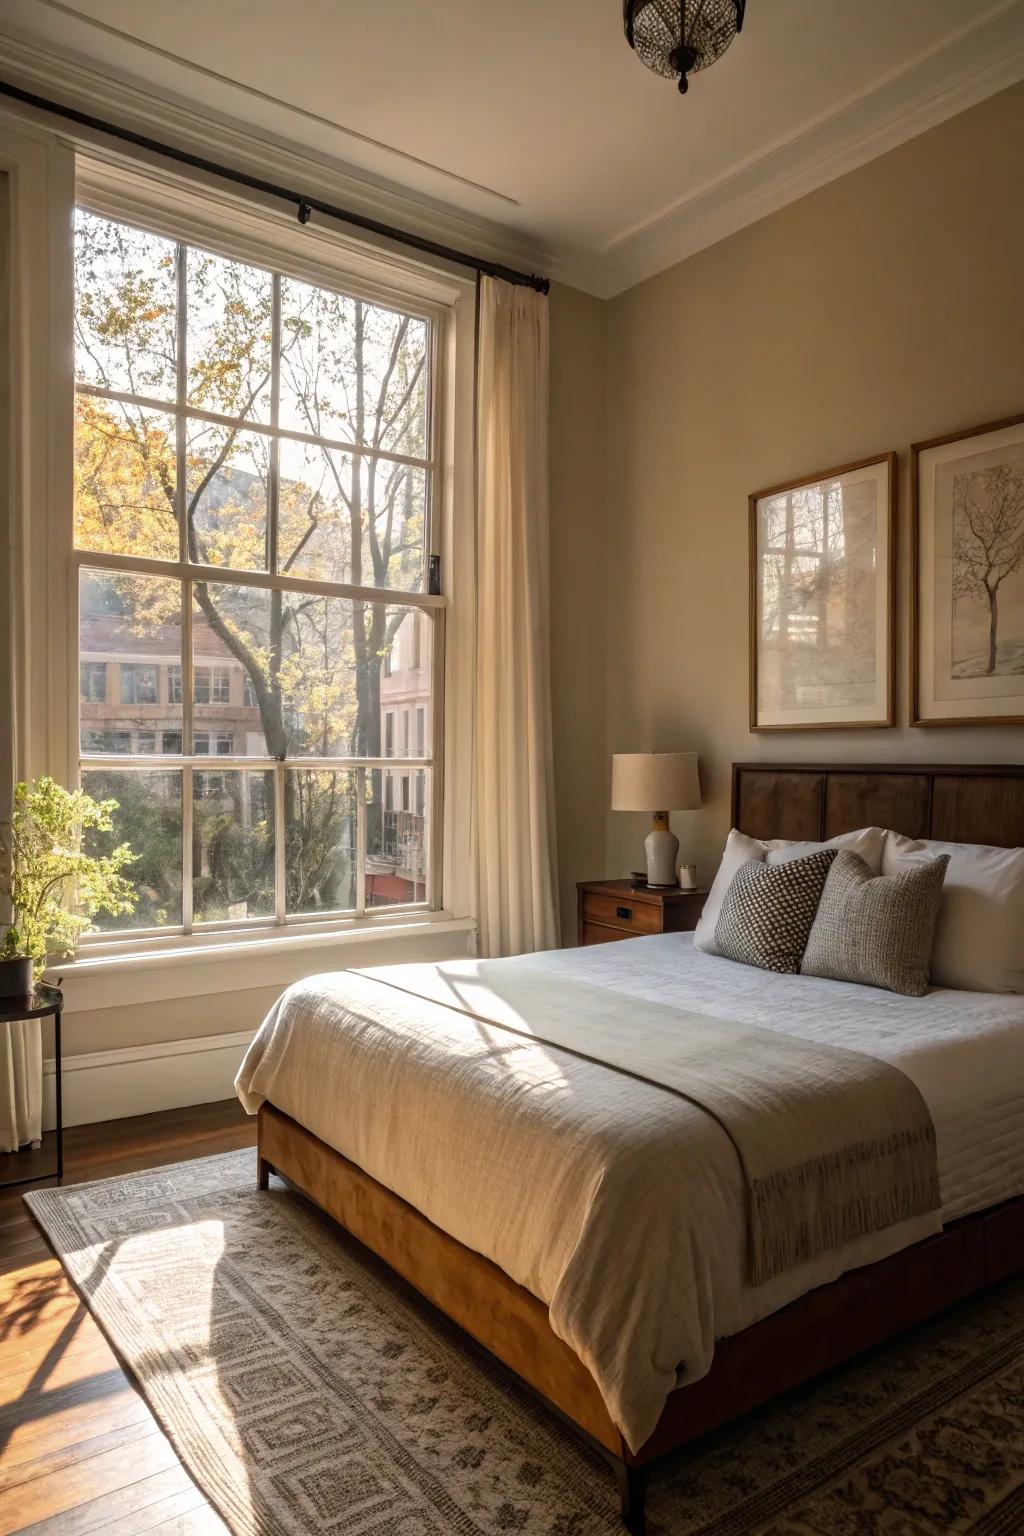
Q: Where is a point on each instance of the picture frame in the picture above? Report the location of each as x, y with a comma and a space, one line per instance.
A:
967, 577
822, 599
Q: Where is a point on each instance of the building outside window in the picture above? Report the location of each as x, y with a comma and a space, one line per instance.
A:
174, 685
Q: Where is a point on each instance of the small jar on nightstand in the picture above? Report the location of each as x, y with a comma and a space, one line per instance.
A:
616, 909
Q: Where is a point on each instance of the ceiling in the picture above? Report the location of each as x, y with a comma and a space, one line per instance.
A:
533, 122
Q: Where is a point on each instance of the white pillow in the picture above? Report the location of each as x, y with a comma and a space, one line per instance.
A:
979, 936
741, 849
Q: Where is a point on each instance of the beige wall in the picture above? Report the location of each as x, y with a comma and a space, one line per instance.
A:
579, 603
883, 309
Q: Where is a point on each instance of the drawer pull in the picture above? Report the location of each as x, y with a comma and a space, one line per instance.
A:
626, 913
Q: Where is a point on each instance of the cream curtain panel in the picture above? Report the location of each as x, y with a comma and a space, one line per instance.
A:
514, 828
21, 1076
21, 1051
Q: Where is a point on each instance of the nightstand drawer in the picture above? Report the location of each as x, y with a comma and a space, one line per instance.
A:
626, 915
597, 933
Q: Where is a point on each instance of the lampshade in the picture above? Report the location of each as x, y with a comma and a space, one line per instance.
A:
655, 781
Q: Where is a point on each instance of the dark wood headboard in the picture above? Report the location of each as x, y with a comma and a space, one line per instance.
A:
813, 801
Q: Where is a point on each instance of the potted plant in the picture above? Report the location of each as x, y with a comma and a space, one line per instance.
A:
52, 888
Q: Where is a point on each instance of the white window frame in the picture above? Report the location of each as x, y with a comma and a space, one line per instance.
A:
234, 228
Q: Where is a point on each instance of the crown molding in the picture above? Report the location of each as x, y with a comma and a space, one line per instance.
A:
968, 67
46, 70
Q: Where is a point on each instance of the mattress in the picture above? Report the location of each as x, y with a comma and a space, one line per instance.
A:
616, 1203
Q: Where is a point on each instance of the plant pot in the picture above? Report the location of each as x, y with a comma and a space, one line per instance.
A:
16, 976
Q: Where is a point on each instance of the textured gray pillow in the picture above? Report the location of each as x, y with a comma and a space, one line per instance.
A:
876, 929
768, 911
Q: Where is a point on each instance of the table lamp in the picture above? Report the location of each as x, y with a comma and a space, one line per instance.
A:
658, 782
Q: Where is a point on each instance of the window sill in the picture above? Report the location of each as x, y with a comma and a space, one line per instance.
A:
230, 962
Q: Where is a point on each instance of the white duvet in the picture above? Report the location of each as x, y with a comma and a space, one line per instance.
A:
618, 1204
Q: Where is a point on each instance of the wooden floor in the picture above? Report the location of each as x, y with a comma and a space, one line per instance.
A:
79, 1450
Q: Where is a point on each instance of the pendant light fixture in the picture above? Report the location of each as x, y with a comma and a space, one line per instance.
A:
677, 37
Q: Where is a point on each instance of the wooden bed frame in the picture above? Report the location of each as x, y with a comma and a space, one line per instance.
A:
822, 1329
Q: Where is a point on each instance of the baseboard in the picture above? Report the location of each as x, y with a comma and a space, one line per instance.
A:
137, 1079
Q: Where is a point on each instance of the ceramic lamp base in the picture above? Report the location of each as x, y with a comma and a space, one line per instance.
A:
662, 851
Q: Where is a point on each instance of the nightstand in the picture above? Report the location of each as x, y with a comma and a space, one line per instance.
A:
613, 909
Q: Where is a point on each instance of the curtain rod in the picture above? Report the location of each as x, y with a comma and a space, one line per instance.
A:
304, 203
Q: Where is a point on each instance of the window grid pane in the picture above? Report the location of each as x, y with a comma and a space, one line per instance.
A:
223, 863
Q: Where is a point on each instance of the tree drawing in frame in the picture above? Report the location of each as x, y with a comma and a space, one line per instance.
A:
988, 553
821, 600
967, 594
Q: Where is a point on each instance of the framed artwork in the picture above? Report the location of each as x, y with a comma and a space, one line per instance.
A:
967, 641
822, 567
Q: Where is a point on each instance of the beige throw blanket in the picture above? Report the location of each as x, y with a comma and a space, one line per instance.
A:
833, 1144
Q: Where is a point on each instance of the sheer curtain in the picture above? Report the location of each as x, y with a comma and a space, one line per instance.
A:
21, 1051
514, 827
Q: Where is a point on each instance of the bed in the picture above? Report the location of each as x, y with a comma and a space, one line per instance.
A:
644, 1332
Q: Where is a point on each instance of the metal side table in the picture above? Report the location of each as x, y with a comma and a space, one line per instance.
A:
42, 1001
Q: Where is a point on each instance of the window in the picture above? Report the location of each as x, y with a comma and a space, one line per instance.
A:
138, 684
93, 682
417, 641
108, 741
237, 427
220, 744
421, 731
212, 685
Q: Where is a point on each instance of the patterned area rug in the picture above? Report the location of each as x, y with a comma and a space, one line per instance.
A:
308, 1391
